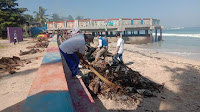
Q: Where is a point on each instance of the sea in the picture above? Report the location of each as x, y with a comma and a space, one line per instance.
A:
179, 41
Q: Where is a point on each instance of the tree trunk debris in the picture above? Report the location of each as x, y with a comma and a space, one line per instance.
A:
8, 64
132, 83
42, 42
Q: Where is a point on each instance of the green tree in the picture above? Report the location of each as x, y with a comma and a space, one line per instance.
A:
56, 17
10, 14
79, 18
70, 17
26, 27
40, 16
28, 18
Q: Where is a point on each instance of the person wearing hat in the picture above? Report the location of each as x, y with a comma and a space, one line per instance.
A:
73, 49
75, 31
119, 49
102, 47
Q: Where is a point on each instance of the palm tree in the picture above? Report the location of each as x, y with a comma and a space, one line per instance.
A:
26, 27
28, 18
40, 16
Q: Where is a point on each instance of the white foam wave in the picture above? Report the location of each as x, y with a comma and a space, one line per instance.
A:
180, 35
177, 28
181, 53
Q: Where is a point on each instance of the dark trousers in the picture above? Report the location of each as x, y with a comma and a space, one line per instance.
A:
120, 57
15, 40
72, 62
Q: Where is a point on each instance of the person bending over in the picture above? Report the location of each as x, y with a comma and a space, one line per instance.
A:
73, 49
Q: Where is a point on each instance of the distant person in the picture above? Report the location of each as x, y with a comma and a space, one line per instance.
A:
59, 33
102, 47
64, 34
73, 49
15, 37
119, 49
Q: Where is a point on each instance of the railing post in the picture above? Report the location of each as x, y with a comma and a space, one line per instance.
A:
90, 23
53, 25
76, 24
65, 24
151, 22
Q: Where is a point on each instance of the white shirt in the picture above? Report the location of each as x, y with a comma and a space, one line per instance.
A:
74, 44
100, 43
120, 42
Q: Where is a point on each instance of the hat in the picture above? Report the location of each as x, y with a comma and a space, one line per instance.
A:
89, 36
118, 34
75, 30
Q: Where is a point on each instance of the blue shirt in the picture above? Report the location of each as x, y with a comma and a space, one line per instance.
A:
104, 42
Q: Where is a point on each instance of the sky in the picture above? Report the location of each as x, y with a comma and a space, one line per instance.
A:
172, 13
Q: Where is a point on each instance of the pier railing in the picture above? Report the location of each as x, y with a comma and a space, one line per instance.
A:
110, 24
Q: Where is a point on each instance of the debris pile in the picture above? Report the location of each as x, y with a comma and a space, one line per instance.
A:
42, 42
31, 51
133, 84
8, 64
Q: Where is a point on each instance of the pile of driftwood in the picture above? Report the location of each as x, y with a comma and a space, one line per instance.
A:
42, 42
133, 84
10, 65
31, 51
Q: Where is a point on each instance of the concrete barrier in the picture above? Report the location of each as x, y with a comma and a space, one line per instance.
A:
81, 99
53, 91
49, 91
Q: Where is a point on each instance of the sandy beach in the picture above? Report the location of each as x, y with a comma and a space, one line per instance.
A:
180, 75
14, 88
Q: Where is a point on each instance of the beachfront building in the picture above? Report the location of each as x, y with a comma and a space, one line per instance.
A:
128, 27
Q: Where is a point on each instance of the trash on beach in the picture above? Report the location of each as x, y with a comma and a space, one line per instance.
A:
42, 42
132, 83
31, 51
8, 64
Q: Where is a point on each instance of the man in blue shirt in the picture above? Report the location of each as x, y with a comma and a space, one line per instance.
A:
102, 47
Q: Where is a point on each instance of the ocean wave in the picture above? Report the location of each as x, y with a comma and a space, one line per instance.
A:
181, 53
179, 35
177, 28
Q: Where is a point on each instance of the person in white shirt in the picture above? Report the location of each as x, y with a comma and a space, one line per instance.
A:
119, 49
73, 49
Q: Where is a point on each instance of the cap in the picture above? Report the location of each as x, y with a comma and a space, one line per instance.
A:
75, 30
89, 36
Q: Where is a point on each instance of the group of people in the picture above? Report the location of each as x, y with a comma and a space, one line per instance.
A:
103, 48
73, 49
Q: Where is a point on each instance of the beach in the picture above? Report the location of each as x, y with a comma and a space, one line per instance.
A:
180, 75
14, 88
